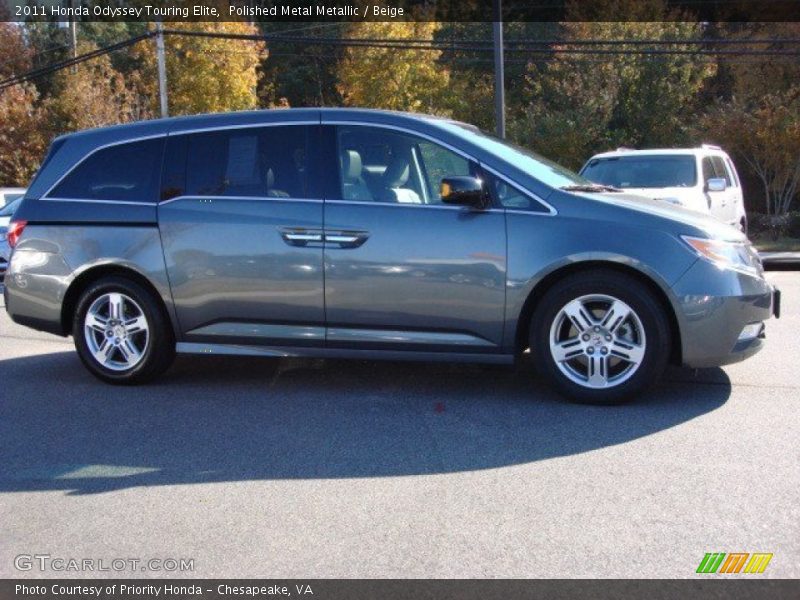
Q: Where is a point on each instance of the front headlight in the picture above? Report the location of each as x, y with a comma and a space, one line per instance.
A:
739, 256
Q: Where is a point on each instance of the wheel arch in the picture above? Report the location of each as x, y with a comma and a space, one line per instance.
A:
96, 273
540, 289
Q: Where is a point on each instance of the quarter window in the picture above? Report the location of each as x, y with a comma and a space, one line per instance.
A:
510, 196
125, 172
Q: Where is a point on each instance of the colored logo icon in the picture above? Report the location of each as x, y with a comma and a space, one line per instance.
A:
736, 562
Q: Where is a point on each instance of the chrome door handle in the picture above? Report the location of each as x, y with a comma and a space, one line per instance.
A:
347, 239
303, 237
300, 236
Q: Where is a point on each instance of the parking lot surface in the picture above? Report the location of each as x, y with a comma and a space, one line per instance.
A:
311, 468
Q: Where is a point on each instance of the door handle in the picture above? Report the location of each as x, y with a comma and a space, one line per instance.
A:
346, 239
300, 237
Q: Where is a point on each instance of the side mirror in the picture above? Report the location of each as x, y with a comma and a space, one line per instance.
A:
716, 184
464, 191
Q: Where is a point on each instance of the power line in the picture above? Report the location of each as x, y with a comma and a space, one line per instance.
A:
51, 68
430, 45
517, 46
481, 42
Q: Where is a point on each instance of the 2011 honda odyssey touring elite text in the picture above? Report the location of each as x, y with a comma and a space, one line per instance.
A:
369, 234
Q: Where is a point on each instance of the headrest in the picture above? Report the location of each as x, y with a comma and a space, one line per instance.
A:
270, 179
396, 174
351, 165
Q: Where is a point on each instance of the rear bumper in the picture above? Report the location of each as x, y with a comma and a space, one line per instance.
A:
714, 307
34, 288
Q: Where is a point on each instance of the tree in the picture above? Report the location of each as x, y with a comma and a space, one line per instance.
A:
766, 135
23, 128
391, 78
581, 103
470, 94
15, 56
205, 74
300, 73
94, 94
760, 122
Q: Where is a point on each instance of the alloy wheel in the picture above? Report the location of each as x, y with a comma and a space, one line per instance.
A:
116, 331
597, 341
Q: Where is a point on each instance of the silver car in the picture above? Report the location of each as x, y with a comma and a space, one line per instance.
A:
369, 234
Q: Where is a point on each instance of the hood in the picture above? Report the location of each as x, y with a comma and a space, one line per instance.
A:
712, 227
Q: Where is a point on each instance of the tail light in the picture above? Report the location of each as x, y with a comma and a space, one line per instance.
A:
15, 229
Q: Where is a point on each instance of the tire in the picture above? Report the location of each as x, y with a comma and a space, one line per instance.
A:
577, 338
136, 341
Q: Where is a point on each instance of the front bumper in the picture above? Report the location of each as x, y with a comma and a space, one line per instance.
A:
713, 308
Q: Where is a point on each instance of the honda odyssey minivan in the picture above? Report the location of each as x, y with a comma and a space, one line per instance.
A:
369, 234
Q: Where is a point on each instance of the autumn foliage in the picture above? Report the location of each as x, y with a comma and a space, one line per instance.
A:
564, 103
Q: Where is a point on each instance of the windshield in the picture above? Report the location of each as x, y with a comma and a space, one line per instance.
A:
537, 166
9, 209
655, 171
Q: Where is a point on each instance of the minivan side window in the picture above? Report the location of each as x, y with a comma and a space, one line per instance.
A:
383, 165
127, 172
258, 162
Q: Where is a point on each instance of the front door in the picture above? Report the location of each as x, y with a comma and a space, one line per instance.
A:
730, 194
241, 228
721, 204
402, 270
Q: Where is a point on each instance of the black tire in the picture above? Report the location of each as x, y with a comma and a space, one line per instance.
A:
637, 296
159, 350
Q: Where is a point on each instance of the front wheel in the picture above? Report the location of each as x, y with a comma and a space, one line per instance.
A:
600, 337
120, 332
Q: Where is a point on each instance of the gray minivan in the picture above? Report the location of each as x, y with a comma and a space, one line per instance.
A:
369, 234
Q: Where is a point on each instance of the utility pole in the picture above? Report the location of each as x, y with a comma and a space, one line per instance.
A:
73, 35
499, 76
162, 70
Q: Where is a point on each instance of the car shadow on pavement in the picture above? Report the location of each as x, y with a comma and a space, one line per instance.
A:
219, 420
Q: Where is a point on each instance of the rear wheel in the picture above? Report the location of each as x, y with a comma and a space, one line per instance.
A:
600, 337
121, 333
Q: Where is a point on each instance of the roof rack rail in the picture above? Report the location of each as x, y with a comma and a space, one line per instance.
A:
625, 149
710, 147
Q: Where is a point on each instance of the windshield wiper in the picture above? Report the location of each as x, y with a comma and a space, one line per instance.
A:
592, 187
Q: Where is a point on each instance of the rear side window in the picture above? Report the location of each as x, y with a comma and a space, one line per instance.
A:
262, 162
732, 170
124, 172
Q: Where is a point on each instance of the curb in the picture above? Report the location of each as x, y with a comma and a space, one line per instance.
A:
784, 259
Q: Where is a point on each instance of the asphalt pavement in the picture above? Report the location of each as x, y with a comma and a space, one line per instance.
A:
312, 468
